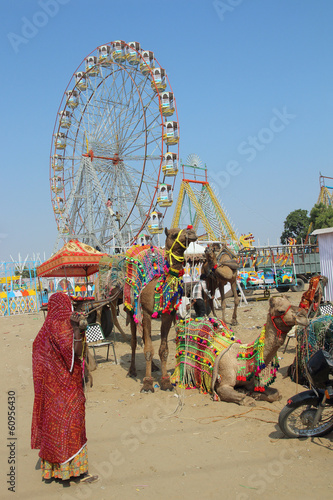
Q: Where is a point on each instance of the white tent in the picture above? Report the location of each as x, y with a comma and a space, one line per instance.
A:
325, 243
194, 250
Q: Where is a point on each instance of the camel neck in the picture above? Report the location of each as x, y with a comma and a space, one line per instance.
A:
274, 339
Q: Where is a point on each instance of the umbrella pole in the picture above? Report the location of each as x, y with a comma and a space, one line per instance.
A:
40, 291
68, 292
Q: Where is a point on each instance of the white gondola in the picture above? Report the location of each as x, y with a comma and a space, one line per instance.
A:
133, 53
65, 119
63, 226
72, 98
104, 55
155, 225
148, 62
60, 140
158, 82
167, 103
118, 51
58, 163
57, 185
170, 134
58, 206
80, 79
165, 195
143, 239
170, 164
92, 67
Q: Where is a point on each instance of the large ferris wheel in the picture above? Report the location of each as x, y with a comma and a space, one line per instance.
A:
115, 141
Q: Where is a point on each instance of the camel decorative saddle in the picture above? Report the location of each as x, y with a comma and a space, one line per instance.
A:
199, 342
143, 264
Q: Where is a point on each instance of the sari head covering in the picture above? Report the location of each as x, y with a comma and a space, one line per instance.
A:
58, 421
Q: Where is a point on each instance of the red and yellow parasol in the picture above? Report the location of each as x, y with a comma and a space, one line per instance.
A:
72, 260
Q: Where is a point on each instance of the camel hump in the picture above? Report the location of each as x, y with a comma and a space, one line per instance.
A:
230, 263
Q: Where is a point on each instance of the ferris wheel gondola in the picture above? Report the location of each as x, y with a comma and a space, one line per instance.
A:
115, 140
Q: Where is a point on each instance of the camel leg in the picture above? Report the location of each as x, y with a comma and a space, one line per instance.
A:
228, 394
148, 381
236, 303
90, 360
115, 321
132, 368
270, 395
166, 322
223, 302
99, 315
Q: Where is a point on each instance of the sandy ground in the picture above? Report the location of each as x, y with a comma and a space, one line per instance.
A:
179, 445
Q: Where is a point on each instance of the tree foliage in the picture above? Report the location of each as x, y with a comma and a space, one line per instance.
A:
321, 216
296, 226
26, 273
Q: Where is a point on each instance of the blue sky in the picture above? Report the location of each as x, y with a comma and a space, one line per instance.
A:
253, 81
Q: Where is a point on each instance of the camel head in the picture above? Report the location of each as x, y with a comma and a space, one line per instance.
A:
177, 240
284, 315
210, 255
210, 261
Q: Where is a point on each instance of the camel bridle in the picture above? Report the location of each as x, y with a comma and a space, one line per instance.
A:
170, 253
281, 316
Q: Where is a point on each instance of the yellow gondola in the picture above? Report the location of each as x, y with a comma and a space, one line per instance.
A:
58, 163
170, 164
72, 98
170, 135
104, 55
80, 80
92, 67
155, 223
167, 103
148, 62
133, 53
65, 119
165, 195
60, 140
158, 83
118, 51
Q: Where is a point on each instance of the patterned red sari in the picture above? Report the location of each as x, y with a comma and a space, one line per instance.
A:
58, 421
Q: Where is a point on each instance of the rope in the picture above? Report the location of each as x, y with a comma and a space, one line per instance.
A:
217, 418
170, 253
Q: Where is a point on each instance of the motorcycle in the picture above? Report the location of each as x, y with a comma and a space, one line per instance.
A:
310, 413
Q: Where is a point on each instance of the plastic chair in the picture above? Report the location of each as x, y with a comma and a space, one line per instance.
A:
95, 337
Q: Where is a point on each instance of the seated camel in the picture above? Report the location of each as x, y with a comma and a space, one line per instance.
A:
212, 359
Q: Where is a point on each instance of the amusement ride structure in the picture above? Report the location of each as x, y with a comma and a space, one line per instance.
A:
198, 205
326, 192
115, 143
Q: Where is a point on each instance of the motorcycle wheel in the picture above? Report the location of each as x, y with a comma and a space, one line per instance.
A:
297, 421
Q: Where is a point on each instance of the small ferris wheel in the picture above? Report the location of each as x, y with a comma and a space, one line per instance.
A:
115, 145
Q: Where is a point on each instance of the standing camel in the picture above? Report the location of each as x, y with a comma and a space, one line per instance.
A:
220, 270
146, 298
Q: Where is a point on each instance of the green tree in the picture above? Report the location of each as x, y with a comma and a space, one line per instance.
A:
321, 216
295, 226
26, 273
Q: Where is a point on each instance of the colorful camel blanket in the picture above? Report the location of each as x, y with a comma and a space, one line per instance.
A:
143, 264
200, 341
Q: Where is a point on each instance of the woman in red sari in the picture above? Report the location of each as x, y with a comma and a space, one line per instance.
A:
58, 421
